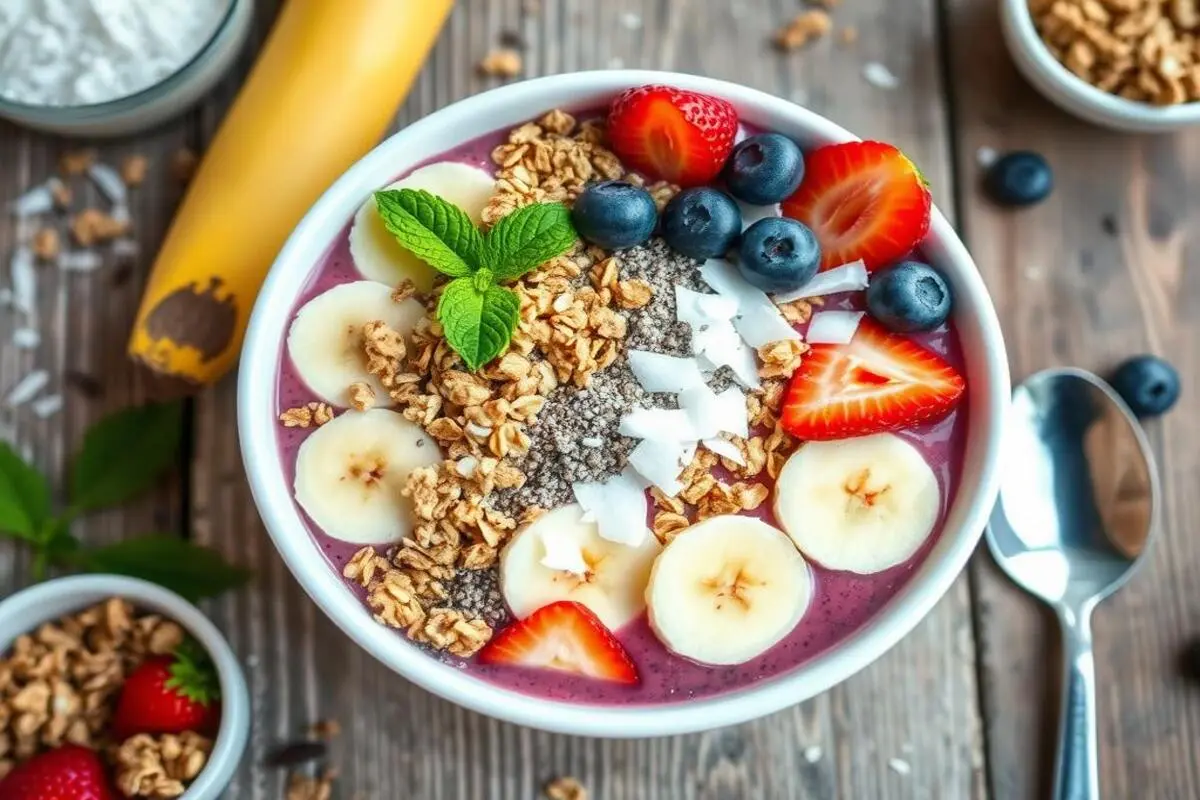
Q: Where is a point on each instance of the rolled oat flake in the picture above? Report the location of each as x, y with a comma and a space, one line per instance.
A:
83, 52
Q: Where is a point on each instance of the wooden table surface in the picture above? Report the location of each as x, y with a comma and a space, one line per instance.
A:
969, 699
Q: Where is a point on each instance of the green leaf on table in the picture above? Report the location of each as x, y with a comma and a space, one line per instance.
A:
188, 569
24, 496
124, 454
478, 318
434, 230
528, 238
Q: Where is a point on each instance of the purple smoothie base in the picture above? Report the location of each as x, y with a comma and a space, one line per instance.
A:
842, 602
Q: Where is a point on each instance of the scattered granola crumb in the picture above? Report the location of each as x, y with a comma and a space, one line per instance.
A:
46, 244
566, 789
160, 767
362, 396
848, 35
308, 787
404, 290
803, 28
183, 164
92, 226
311, 414
501, 63
326, 729
76, 162
133, 169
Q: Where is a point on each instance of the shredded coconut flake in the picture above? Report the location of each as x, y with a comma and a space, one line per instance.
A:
657, 372
833, 327
26, 338
37, 200
880, 76
24, 279
80, 260
47, 406
27, 388
899, 766
726, 448
661, 462
752, 214
109, 181
758, 320
618, 506
813, 753
986, 156
846, 278
658, 423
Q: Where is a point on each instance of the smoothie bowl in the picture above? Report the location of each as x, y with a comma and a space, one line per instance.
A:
624, 403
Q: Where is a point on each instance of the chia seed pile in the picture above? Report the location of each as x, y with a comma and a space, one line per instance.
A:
575, 438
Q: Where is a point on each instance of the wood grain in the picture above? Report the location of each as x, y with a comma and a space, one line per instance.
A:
1102, 270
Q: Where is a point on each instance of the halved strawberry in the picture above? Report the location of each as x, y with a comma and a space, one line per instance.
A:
878, 382
863, 200
675, 135
565, 636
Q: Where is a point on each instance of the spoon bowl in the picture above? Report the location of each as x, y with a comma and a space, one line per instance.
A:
1078, 506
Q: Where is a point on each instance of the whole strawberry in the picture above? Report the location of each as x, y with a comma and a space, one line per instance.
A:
672, 134
69, 773
170, 694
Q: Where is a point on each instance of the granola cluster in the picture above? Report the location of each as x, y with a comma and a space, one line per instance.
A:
1144, 50
59, 684
160, 767
308, 415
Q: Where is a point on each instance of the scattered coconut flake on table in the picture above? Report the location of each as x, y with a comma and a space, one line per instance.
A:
752, 214
109, 182
758, 320
661, 462
833, 327
880, 76
26, 338
24, 279
6, 296
120, 213
618, 507
125, 248
813, 753
80, 260
658, 423
37, 200
725, 448
47, 406
658, 372
846, 278
562, 553
711, 413
899, 766
631, 20
27, 388
986, 156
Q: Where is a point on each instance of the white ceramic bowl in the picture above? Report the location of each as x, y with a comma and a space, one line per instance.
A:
48, 601
987, 374
1075, 95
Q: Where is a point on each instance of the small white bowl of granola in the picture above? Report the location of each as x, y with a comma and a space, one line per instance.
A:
72, 650
1130, 72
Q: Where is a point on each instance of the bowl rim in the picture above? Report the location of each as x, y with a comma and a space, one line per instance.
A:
512, 104
233, 734
1049, 75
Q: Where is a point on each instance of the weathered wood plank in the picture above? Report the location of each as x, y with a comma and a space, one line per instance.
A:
918, 703
1102, 270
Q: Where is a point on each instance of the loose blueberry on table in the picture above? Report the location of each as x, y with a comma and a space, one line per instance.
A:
1149, 385
1017, 179
766, 368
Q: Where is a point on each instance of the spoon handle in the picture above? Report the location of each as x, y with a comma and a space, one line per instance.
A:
1076, 768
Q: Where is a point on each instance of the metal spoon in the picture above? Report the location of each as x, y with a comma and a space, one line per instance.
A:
1079, 502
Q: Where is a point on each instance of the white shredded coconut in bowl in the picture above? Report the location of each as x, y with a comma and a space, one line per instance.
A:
83, 52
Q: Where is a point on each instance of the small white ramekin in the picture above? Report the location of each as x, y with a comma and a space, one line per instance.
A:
26, 610
1075, 95
155, 104
987, 397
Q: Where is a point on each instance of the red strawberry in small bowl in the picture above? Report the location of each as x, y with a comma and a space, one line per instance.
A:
672, 134
70, 772
170, 694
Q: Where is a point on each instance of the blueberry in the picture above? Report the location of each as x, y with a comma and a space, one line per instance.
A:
701, 223
615, 215
778, 254
1020, 178
1147, 384
764, 169
909, 297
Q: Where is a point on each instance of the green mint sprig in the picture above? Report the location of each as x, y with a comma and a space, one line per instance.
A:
477, 314
122, 456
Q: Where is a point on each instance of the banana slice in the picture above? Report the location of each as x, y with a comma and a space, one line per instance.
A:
325, 340
378, 255
859, 505
727, 590
349, 473
613, 580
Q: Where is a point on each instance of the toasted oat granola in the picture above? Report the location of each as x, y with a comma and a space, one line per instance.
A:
160, 767
565, 788
310, 414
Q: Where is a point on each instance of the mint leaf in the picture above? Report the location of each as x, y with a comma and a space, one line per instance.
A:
188, 569
24, 496
435, 231
478, 321
528, 238
124, 454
